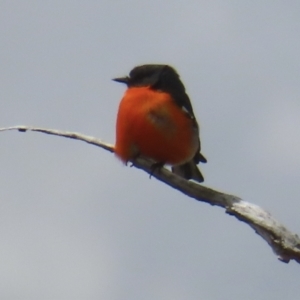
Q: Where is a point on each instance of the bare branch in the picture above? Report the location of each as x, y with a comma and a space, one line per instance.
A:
284, 243
68, 134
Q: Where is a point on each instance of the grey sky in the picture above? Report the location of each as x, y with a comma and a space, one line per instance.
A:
74, 222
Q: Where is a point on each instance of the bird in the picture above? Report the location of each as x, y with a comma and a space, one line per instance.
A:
156, 120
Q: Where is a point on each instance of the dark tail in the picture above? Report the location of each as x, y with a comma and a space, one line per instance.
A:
190, 170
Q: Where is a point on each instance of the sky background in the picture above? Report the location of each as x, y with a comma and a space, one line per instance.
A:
77, 224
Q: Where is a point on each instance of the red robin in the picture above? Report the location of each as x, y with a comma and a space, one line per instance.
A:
156, 120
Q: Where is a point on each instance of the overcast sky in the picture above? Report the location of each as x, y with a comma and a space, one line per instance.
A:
77, 224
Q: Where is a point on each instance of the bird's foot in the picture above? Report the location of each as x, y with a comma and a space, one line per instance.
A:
156, 166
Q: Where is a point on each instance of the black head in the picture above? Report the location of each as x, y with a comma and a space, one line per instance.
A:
160, 77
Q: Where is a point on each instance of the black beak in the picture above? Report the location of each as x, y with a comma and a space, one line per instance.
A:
122, 79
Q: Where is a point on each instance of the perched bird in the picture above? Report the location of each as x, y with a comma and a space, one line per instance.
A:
156, 120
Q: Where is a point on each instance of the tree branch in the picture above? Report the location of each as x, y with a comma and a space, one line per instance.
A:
284, 243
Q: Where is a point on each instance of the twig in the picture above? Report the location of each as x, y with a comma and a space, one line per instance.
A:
284, 243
